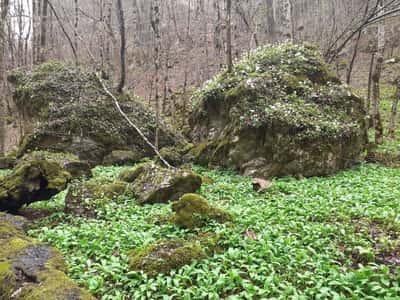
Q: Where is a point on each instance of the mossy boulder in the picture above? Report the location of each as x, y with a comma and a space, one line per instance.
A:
30, 270
122, 157
30, 181
76, 116
155, 184
165, 256
83, 198
193, 211
279, 112
69, 162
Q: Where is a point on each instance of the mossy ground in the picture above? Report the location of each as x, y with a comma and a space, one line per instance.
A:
307, 240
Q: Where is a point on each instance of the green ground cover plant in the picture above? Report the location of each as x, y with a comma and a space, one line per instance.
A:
317, 238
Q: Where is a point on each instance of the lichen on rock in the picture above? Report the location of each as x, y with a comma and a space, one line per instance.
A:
151, 183
280, 112
193, 211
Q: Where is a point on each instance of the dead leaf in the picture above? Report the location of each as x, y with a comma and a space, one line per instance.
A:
261, 185
250, 234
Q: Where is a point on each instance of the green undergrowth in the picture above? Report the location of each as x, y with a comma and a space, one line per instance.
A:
302, 239
4, 172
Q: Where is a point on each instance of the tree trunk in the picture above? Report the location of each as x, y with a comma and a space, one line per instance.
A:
4, 6
229, 60
393, 117
371, 70
376, 81
43, 32
155, 24
121, 21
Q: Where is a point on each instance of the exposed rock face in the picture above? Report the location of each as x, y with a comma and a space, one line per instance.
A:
280, 112
83, 198
193, 211
30, 181
30, 270
154, 184
76, 116
165, 256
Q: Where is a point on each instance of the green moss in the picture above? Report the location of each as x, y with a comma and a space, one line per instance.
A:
53, 285
198, 150
165, 256
192, 211
7, 280
30, 181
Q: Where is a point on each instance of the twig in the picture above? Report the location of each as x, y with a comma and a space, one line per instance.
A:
132, 124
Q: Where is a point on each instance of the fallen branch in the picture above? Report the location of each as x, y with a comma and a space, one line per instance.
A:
132, 124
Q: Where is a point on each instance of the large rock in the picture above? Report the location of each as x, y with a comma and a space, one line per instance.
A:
31, 270
83, 198
153, 184
280, 112
76, 116
30, 181
69, 162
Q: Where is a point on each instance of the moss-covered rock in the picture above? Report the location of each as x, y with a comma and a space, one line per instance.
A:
83, 198
165, 256
30, 181
77, 116
193, 211
154, 184
122, 157
30, 270
69, 162
280, 112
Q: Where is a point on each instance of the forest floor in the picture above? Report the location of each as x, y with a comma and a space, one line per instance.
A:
336, 237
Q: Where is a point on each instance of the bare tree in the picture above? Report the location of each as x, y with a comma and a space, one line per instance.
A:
229, 60
121, 25
394, 112
4, 6
376, 80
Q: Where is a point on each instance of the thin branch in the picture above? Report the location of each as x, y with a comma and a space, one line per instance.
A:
64, 31
132, 124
